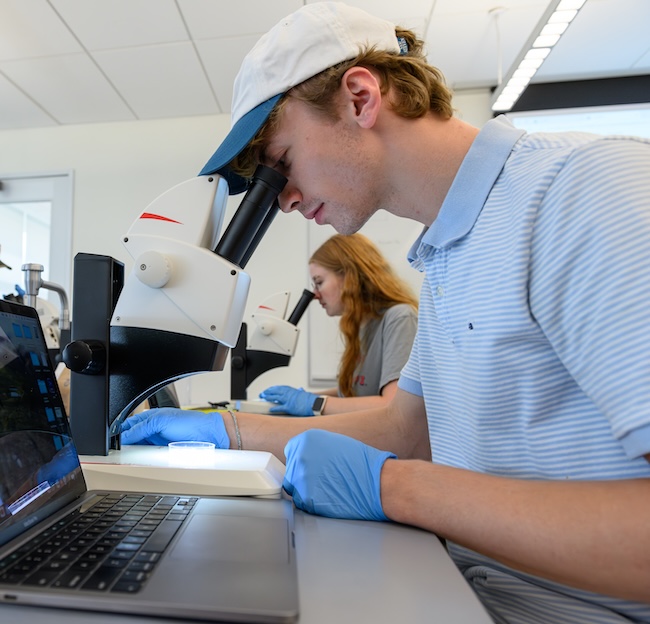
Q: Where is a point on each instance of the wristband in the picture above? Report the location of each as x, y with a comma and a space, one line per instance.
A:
237, 434
319, 405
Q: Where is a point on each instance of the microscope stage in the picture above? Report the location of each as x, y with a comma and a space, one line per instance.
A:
159, 469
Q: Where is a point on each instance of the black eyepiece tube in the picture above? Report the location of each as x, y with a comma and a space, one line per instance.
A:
301, 306
241, 236
261, 230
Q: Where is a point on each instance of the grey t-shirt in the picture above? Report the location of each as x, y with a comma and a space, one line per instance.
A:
386, 344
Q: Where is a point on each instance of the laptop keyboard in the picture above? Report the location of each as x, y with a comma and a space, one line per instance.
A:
112, 546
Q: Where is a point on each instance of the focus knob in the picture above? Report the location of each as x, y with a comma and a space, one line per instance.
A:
87, 357
153, 269
237, 362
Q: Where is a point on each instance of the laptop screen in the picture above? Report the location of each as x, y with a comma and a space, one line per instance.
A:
39, 465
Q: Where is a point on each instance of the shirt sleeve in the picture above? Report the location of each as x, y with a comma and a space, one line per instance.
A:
399, 329
409, 379
590, 280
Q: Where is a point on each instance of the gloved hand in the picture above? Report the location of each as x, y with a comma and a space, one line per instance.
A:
332, 475
294, 401
169, 424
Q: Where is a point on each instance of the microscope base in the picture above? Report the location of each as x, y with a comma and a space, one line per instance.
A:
159, 470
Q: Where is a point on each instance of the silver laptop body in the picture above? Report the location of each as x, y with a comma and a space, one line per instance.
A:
227, 559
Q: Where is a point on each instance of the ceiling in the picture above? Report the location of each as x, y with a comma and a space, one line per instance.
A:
88, 61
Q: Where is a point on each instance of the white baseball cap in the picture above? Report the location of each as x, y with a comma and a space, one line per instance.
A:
313, 38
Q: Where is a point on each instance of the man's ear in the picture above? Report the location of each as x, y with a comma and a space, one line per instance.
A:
361, 94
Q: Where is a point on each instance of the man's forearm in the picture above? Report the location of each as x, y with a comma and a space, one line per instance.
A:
259, 432
590, 535
380, 428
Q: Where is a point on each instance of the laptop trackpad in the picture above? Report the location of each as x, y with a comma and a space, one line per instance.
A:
232, 538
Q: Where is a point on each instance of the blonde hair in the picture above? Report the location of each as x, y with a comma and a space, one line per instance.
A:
370, 286
415, 89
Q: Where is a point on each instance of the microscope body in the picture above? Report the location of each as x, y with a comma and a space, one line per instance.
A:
177, 313
271, 344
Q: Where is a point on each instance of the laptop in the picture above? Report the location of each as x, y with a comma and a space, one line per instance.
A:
189, 557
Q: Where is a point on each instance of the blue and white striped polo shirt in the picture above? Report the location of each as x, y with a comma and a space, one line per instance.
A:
532, 352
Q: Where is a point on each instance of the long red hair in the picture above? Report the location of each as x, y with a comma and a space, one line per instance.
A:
370, 286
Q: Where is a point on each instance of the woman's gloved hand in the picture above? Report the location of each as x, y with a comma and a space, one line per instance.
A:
163, 425
332, 475
294, 401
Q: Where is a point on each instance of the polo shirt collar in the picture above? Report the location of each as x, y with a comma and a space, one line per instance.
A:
471, 186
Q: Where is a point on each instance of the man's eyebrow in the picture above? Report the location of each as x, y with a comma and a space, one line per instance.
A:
264, 157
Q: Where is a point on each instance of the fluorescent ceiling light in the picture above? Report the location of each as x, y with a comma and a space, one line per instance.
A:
546, 34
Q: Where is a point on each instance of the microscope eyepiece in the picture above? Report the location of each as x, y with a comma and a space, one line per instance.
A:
253, 217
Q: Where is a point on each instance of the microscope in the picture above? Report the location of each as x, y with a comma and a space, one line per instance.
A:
178, 312
55, 328
272, 344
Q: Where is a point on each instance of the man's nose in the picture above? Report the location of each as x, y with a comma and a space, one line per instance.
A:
289, 199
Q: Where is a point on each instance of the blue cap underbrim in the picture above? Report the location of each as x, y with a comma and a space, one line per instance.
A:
240, 135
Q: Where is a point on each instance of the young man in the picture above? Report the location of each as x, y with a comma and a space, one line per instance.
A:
522, 420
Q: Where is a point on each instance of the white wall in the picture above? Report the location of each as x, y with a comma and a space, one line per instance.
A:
473, 106
120, 168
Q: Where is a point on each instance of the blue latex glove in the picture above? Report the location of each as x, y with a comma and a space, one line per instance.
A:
294, 401
332, 475
170, 424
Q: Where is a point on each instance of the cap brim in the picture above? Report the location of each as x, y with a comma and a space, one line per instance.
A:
240, 135
4, 266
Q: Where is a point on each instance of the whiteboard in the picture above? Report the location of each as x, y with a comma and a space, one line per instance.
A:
394, 237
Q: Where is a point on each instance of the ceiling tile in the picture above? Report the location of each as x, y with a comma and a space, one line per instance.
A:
608, 38
222, 59
209, 19
18, 111
159, 81
455, 7
30, 28
170, 58
485, 48
70, 88
642, 64
413, 14
102, 25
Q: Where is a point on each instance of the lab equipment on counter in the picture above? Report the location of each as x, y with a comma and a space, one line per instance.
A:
272, 343
178, 312
56, 327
